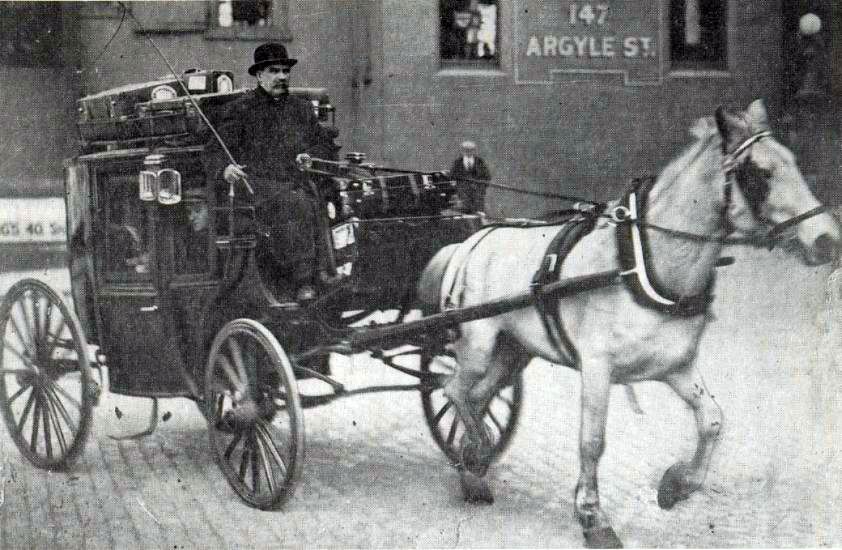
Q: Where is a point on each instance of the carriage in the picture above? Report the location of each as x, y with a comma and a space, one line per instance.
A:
148, 322
223, 332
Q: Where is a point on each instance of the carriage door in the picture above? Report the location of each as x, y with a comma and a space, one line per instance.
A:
141, 355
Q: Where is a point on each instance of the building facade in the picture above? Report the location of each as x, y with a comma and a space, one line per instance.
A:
563, 96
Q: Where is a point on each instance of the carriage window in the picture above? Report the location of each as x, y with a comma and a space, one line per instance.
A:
127, 229
469, 33
192, 233
698, 34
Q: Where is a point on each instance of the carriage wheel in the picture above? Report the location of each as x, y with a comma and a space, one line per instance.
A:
254, 414
47, 392
501, 416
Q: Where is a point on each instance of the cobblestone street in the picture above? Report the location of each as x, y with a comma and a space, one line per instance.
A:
374, 478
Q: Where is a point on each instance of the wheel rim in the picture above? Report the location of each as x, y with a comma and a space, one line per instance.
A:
47, 392
501, 415
254, 414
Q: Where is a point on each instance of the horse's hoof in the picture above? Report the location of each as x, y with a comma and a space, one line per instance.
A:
601, 537
475, 489
674, 487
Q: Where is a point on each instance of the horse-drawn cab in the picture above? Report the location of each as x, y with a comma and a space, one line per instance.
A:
154, 277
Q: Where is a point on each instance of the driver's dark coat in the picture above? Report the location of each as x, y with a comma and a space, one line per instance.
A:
264, 134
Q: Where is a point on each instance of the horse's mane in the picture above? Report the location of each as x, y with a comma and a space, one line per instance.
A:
706, 134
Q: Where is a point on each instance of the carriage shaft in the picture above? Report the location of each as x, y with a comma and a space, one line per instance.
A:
360, 339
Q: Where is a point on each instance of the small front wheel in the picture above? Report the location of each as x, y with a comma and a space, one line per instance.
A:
47, 392
254, 414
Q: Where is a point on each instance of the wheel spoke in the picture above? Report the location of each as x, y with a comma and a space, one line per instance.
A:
26, 409
57, 339
23, 340
237, 356
18, 393
493, 419
36, 417
264, 459
15, 371
236, 383
28, 325
442, 412
45, 409
244, 460
451, 435
25, 360
35, 300
62, 443
270, 443
255, 466
67, 396
48, 319
233, 445
54, 398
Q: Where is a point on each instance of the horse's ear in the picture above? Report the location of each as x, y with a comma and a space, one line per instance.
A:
732, 129
757, 115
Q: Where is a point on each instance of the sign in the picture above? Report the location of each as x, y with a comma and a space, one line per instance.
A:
32, 220
558, 40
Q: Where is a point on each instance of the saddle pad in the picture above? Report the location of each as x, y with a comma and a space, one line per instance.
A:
454, 272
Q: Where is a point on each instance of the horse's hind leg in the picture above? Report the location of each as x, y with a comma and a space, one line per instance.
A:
596, 382
683, 478
482, 369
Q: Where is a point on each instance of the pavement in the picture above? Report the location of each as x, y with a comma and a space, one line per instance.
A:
374, 478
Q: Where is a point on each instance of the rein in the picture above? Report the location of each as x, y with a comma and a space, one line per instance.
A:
621, 214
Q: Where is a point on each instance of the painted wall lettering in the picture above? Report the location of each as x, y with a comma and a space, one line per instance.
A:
557, 39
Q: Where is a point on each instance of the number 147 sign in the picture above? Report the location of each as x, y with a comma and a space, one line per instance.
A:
587, 14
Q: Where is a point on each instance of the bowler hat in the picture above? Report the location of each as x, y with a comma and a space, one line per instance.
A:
270, 53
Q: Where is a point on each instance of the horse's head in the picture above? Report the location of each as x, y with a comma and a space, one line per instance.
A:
770, 192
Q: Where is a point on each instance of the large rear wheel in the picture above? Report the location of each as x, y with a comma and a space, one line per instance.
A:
254, 414
501, 415
47, 392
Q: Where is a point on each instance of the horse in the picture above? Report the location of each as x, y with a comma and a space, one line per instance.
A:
735, 181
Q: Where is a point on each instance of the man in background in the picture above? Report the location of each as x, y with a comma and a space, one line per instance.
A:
471, 175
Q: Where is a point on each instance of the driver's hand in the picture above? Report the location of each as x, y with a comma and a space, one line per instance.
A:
303, 160
234, 173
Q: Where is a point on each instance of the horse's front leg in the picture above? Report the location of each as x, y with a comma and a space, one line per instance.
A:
596, 383
683, 478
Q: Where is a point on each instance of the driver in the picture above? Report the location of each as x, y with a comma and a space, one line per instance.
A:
265, 130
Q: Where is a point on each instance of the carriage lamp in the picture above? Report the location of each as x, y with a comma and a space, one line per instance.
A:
158, 183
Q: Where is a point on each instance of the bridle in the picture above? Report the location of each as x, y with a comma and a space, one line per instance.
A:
730, 165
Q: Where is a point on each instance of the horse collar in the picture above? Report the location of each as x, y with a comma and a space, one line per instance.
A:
635, 259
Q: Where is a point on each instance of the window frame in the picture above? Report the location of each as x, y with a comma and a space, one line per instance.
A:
278, 30
493, 64
703, 57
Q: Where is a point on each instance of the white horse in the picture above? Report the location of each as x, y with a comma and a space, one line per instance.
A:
734, 177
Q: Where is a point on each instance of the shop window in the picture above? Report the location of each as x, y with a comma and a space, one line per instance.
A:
469, 32
30, 34
698, 34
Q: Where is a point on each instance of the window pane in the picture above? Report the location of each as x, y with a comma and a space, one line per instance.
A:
244, 13
469, 31
127, 229
698, 33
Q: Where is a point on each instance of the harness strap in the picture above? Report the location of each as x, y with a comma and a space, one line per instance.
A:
633, 251
549, 271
